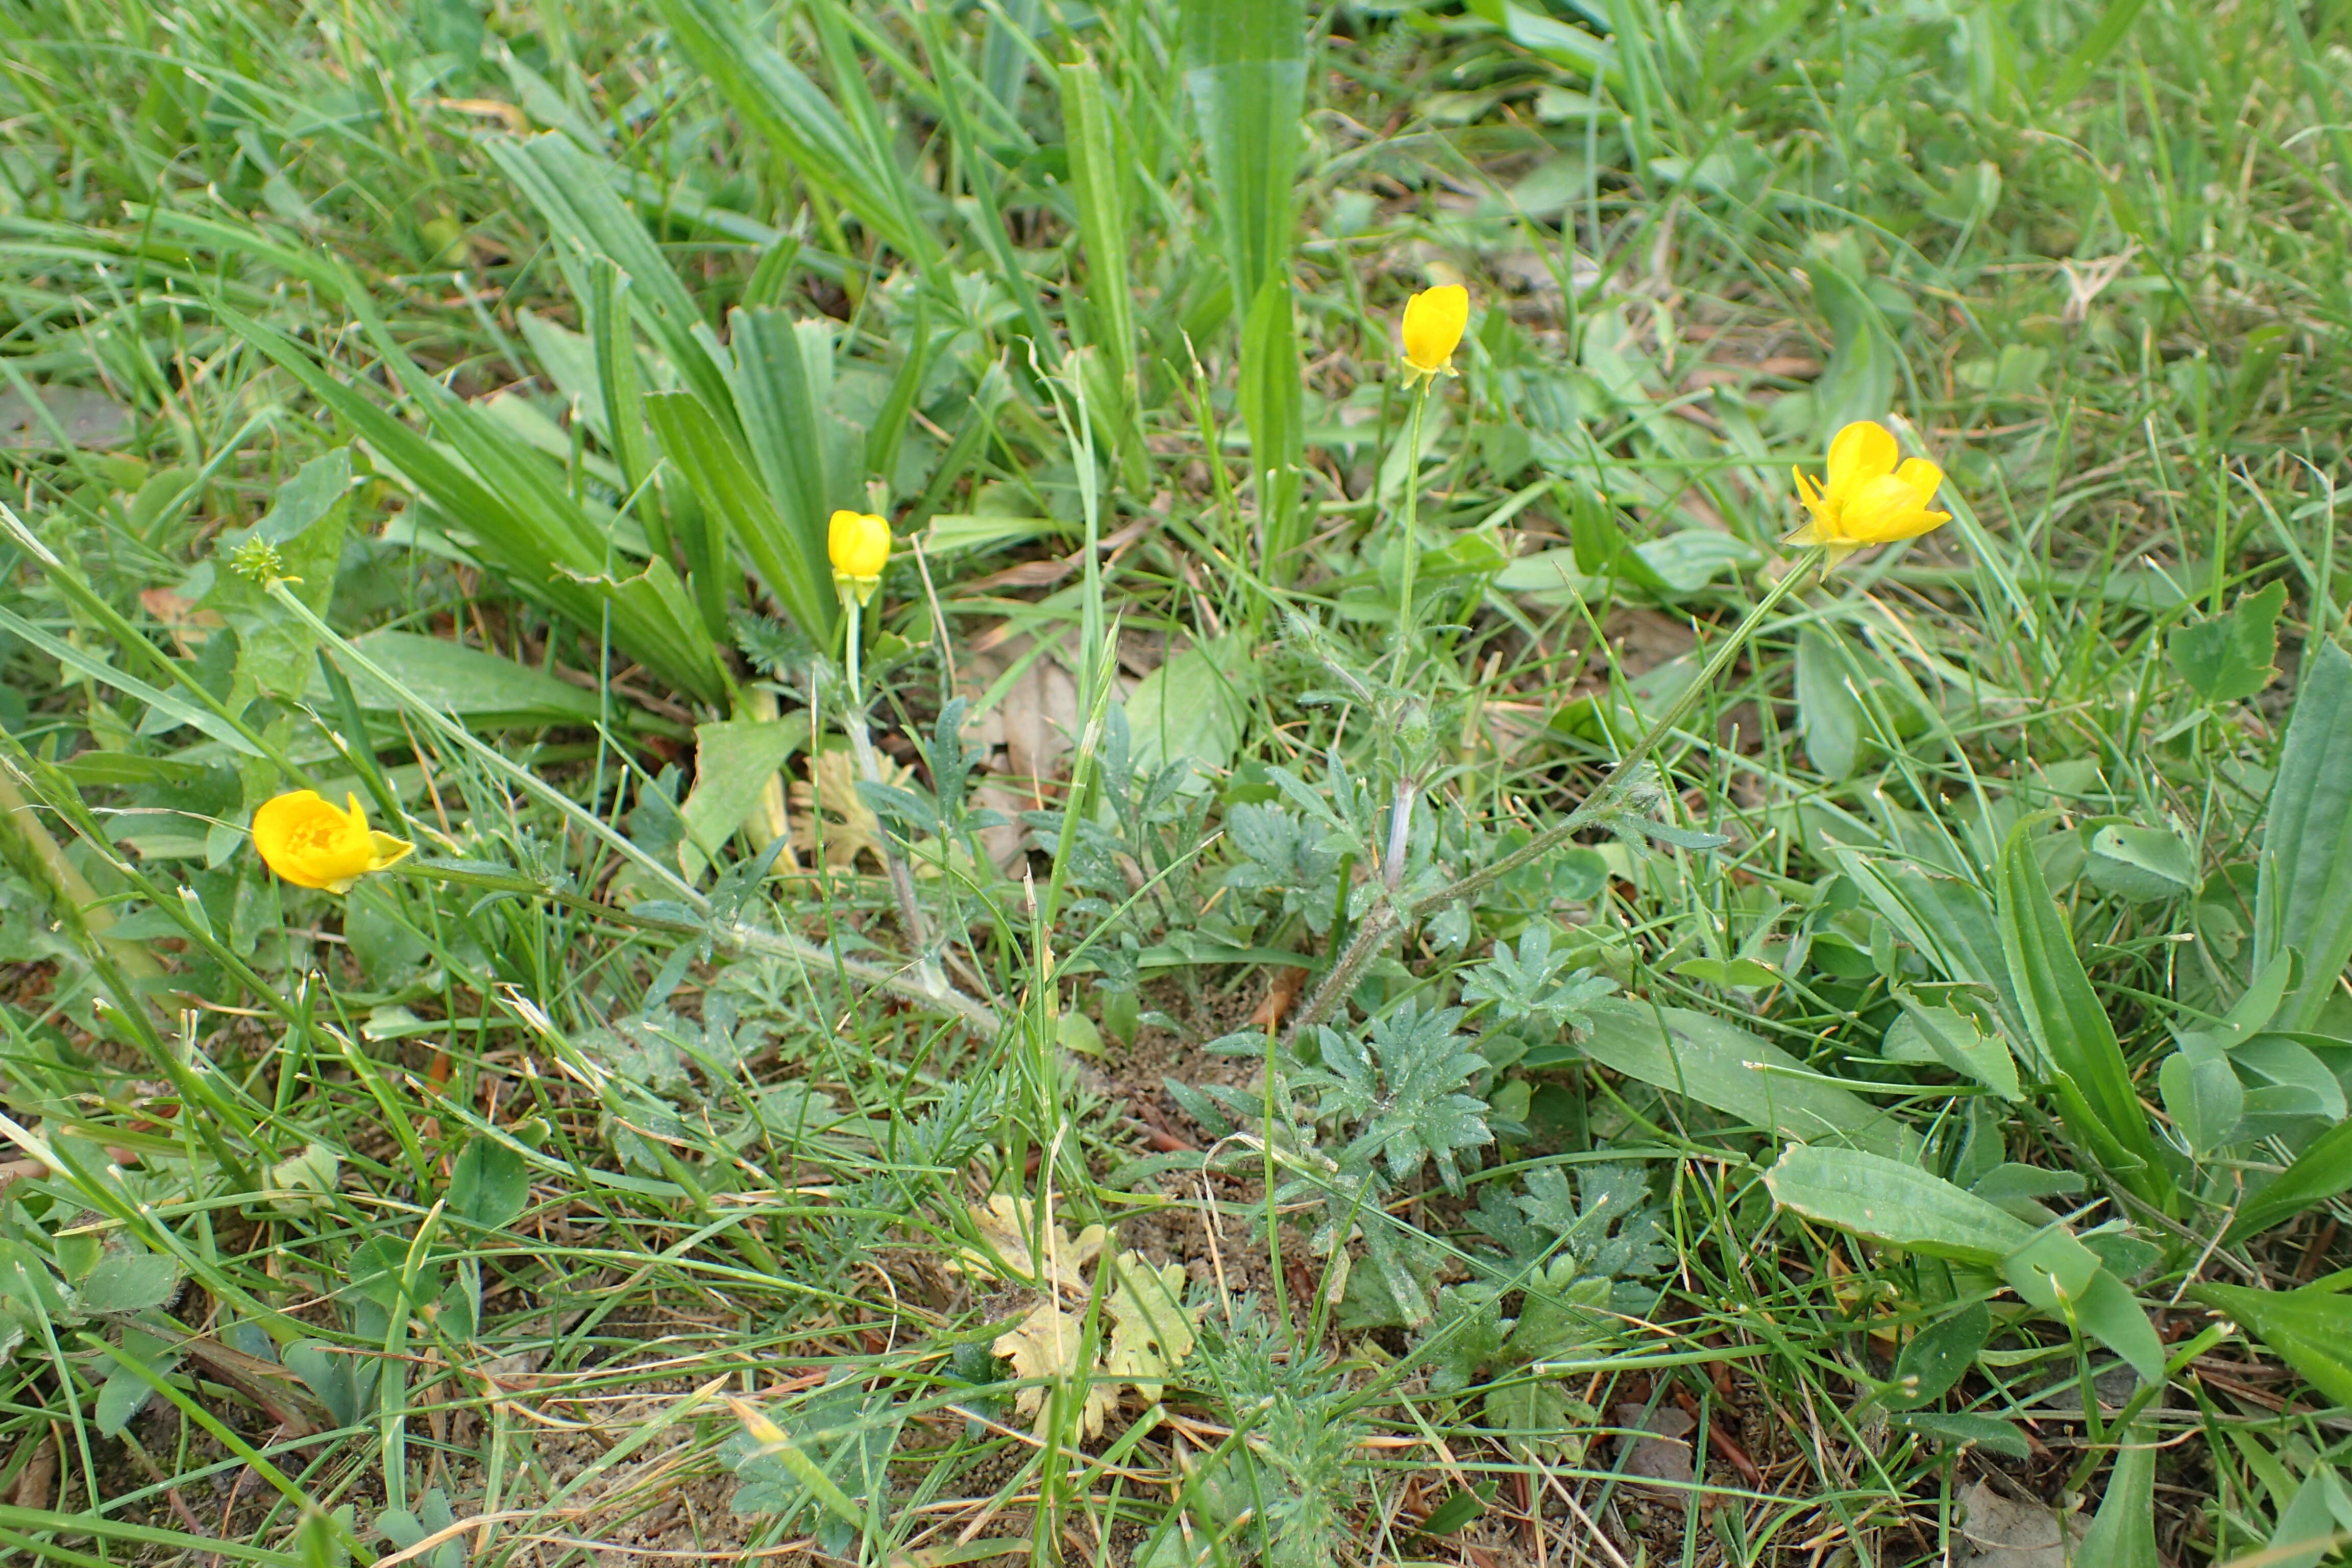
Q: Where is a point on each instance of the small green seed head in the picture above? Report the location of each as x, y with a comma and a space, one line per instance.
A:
256, 560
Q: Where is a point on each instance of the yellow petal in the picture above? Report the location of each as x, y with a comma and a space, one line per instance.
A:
1862, 451
1922, 477
1434, 321
311, 843
385, 851
1885, 509
858, 543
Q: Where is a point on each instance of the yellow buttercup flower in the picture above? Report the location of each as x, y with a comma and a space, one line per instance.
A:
1434, 320
312, 844
859, 544
1871, 497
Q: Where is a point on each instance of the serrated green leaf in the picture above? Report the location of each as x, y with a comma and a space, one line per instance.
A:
1410, 1110
1465, 1338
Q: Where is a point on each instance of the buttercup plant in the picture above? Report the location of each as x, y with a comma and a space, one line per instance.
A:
1434, 321
1869, 499
859, 544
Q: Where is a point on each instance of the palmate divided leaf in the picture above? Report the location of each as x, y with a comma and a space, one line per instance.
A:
1401, 1084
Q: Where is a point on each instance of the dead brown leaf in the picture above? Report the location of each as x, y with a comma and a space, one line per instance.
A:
850, 828
2004, 1533
1665, 1454
1280, 997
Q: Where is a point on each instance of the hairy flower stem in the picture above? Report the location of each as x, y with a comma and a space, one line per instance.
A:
1400, 832
1385, 917
902, 879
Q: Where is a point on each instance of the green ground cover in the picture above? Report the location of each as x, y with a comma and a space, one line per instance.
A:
1328, 971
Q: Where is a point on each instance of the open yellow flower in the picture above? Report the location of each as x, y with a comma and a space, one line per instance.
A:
1871, 497
859, 544
1434, 320
312, 844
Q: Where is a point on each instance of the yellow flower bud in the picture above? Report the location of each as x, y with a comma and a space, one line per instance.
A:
1874, 495
1434, 320
311, 844
859, 544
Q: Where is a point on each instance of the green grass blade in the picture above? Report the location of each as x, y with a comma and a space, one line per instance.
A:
711, 462
1246, 72
575, 193
793, 115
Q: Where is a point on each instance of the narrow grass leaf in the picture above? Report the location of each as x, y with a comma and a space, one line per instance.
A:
789, 112
2318, 1173
715, 466
96, 667
2123, 1534
1246, 72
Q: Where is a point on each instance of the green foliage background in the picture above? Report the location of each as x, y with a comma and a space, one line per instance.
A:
1906, 1102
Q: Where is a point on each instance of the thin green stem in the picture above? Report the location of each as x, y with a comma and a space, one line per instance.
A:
869, 767
1412, 515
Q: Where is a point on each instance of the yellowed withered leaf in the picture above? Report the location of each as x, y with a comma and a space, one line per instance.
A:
1144, 1331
